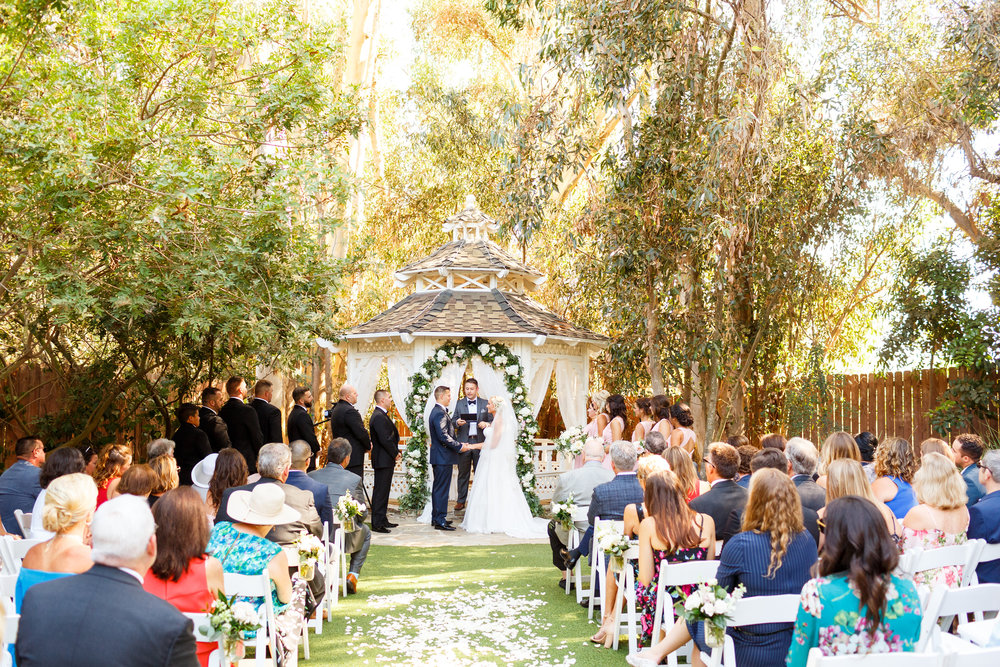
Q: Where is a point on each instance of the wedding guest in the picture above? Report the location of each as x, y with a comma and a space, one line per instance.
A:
682, 466
682, 435
936, 446
867, 443
182, 574
297, 477
660, 405
644, 418
773, 441
634, 514
268, 416
209, 420
89, 459
577, 484
772, 555
346, 422
201, 477
802, 461
615, 430
69, 508
984, 516
62, 461
114, 461
746, 453
192, 443
241, 545
967, 450
671, 533
894, 468
230, 471
160, 447
740, 440
839, 445
940, 520
609, 499
846, 477
138, 480
165, 469
654, 443
339, 480
856, 604
725, 496
300, 423
103, 615
19, 484
241, 421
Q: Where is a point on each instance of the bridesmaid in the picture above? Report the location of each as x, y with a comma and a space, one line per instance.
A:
615, 430
660, 407
596, 420
683, 435
643, 413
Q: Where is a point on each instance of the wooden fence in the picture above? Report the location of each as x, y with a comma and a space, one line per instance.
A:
892, 404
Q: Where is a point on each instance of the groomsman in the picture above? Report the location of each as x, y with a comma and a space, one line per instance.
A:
385, 453
242, 422
210, 421
268, 415
300, 423
472, 432
346, 422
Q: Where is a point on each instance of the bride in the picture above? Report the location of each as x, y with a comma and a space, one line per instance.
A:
496, 502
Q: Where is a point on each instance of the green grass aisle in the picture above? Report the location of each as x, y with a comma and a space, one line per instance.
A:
486, 605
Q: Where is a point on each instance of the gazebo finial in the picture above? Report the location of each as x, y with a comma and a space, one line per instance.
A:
470, 224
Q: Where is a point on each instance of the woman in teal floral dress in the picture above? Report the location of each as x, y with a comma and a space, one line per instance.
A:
856, 605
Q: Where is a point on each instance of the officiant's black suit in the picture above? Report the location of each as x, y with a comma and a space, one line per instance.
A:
469, 461
244, 430
385, 448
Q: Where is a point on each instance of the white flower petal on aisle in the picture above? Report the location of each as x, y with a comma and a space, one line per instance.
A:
460, 626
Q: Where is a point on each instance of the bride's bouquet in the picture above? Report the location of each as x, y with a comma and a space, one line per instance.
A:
571, 441
615, 543
563, 513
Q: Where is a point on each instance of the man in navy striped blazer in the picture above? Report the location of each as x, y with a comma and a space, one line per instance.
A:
609, 499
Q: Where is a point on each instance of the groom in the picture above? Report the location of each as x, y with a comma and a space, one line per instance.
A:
444, 454
470, 431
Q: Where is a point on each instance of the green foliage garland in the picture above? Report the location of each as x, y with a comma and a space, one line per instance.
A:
500, 357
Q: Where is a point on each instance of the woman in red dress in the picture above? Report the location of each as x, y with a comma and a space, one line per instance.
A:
114, 461
182, 574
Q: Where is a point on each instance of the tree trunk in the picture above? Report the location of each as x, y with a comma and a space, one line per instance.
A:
653, 335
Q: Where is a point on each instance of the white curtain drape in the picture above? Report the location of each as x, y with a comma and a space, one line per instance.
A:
367, 373
538, 382
490, 382
571, 393
399, 382
451, 376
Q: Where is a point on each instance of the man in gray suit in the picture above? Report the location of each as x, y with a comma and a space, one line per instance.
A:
339, 480
580, 484
803, 457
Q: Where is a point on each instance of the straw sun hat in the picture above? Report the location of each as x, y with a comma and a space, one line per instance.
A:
264, 506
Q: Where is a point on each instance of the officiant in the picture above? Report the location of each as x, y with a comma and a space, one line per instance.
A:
471, 418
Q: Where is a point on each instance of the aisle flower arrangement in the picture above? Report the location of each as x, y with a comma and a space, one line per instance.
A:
231, 619
503, 360
615, 543
712, 604
347, 510
563, 513
309, 547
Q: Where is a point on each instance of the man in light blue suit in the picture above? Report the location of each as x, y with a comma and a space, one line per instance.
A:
967, 449
444, 455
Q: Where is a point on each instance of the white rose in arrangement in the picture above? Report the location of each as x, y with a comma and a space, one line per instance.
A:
512, 369
442, 355
525, 412
693, 601
484, 348
708, 608
245, 613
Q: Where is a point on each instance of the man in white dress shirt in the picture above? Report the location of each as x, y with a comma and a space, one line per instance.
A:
470, 431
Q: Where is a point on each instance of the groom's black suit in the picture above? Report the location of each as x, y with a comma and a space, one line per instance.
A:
469, 461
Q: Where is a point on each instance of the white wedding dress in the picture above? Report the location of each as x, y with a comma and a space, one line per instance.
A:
496, 502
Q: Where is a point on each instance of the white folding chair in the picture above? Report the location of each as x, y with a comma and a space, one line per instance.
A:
13, 551
974, 657
989, 553
575, 576
336, 581
8, 585
292, 554
965, 556
672, 575
753, 611
625, 602
598, 569
10, 621
947, 603
257, 585
203, 632
24, 521
817, 659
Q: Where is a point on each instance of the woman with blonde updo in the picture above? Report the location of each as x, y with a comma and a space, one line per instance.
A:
114, 460
167, 476
70, 501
